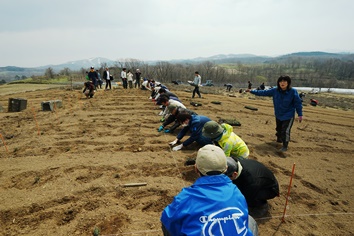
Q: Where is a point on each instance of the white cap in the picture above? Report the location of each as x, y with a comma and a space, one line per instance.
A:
211, 158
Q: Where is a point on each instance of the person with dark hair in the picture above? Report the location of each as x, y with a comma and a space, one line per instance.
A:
107, 78
255, 181
93, 76
197, 82
166, 101
152, 86
89, 89
228, 87
168, 92
286, 101
262, 86
130, 79
165, 92
99, 81
212, 205
194, 124
249, 85
302, 95
155, 93
137, 78
145, 85
173, 111
123, 76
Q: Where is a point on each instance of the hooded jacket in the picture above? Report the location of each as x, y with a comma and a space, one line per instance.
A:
232, 144
195, 126
285, 102
256, 182
211, 206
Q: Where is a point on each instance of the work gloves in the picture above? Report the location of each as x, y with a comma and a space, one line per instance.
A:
160, 128
173, 142
178, 147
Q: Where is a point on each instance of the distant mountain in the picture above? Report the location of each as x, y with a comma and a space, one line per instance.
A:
312, 55
225, 58
77, 65
8, 73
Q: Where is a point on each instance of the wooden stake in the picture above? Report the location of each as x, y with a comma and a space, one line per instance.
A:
288, 194
3, 141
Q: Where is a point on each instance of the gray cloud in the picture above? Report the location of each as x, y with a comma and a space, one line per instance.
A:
41, 32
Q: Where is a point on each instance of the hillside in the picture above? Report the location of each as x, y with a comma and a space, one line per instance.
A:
69, 179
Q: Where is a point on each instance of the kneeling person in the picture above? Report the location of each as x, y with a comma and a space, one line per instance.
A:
212, 205
255, 181
224, 136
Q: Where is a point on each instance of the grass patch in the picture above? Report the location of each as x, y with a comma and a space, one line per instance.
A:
42, 80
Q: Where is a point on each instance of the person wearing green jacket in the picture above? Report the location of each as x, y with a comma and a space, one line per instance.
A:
224, 137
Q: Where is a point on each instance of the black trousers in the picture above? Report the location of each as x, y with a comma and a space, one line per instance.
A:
125, 83
196, 90
283, 128
108, 83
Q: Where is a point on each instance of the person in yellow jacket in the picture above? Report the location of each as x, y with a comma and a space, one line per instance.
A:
224, 136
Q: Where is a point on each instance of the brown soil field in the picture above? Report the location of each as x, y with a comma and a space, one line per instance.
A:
63, 172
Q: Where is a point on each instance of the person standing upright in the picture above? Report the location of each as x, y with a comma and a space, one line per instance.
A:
137, 78
99, 81
123, 76
93, 76
107, 78
286, 101
197, 82
249, 85
130, 79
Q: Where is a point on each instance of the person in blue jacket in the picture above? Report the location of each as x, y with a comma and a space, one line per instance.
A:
213, 205
194, 124
286, 101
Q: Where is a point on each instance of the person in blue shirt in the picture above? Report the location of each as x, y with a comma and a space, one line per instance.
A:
194, 124
213, 205
286, 101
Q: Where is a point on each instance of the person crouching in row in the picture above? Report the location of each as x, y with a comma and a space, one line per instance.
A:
89, 89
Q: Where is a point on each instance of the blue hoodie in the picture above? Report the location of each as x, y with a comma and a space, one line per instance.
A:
285, 102
213, 205
195, 126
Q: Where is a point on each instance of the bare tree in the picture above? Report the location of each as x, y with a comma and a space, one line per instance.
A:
49, 72
164, 71
133, 64
66, 71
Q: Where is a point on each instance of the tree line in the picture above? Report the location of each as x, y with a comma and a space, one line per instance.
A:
308, 72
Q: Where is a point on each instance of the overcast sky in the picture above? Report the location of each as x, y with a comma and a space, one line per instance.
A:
44, 32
